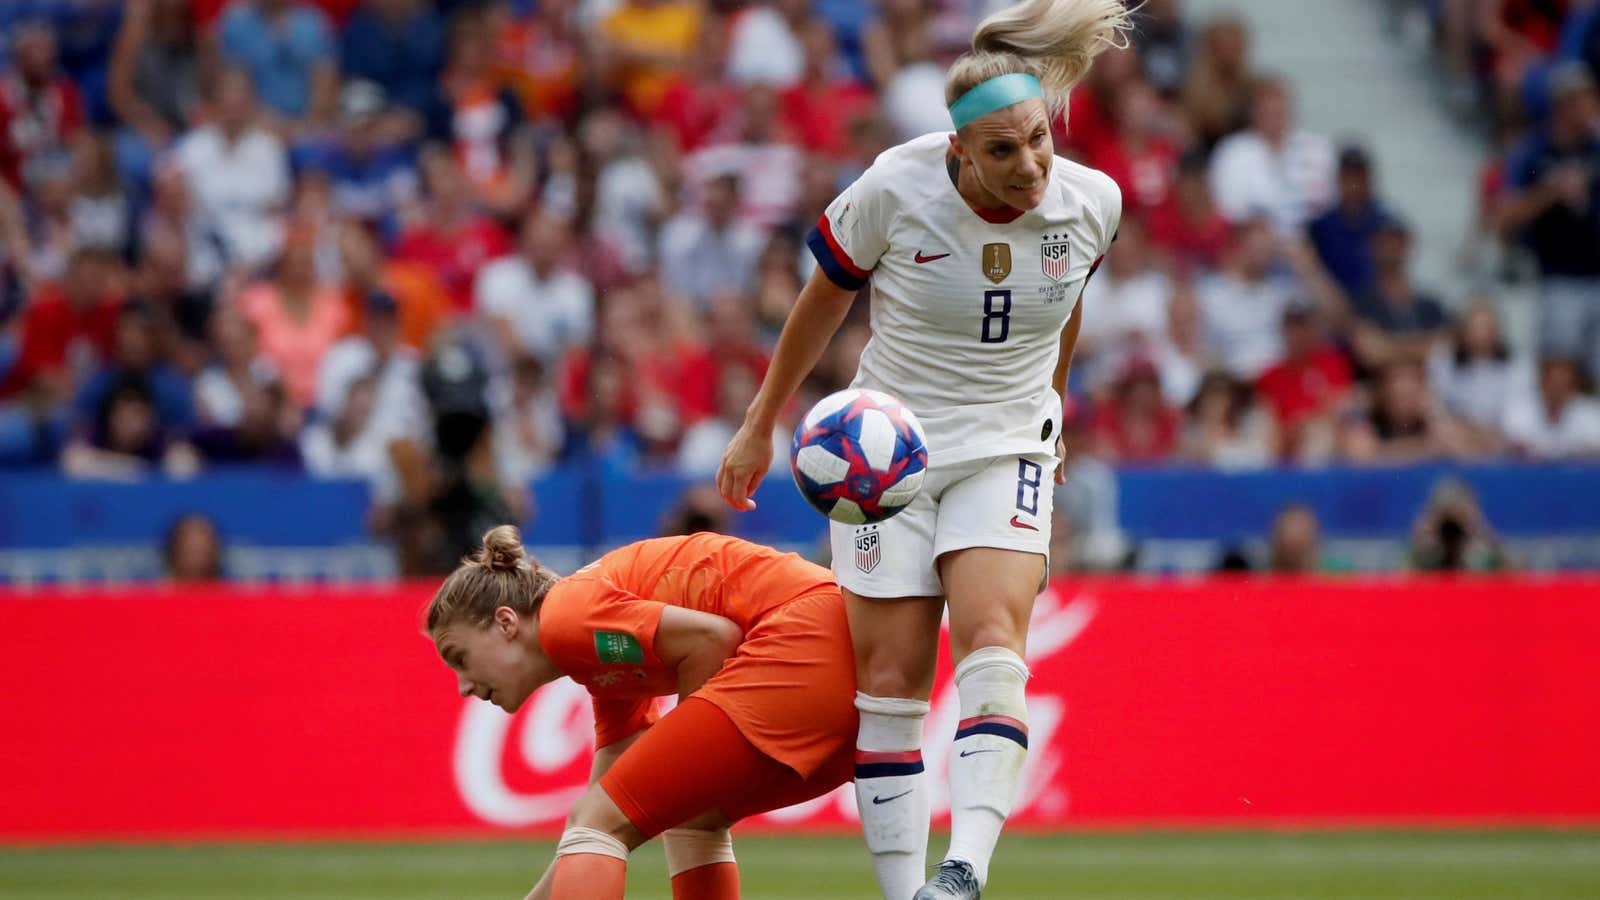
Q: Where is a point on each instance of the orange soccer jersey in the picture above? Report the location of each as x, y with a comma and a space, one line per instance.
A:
790, 685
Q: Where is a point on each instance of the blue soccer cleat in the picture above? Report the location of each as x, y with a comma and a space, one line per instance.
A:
955, 881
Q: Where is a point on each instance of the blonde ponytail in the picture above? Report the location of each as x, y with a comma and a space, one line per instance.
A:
501, 573
1053, 40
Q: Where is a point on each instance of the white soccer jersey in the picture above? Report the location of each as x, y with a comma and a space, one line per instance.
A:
967, 307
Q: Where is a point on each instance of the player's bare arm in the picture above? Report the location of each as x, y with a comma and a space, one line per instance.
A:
696, 644
817, 314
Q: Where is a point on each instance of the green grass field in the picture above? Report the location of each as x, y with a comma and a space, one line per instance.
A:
1360, 865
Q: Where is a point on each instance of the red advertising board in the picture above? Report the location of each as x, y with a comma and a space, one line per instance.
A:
219, 711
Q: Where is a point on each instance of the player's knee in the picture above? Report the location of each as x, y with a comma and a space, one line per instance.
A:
596, 810
887, 675
999, 632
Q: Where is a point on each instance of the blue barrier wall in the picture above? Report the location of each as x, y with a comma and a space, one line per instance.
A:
593, 507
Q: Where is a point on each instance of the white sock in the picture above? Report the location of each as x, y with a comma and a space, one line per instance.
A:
990, 748
892, 791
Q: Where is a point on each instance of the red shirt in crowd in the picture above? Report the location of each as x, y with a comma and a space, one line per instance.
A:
56, 336
1145, 174
1193, 242
35, 122
1298, 391
455, 255
820, 117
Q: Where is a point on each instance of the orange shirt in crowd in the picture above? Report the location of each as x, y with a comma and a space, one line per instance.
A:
296, 343
424, 303
669, 28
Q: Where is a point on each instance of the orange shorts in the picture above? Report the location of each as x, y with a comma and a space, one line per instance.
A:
790, 688
696, 760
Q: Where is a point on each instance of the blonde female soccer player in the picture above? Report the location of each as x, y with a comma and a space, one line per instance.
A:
748, 637
978, 245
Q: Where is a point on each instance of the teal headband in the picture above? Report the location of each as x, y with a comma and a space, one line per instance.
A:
996, 93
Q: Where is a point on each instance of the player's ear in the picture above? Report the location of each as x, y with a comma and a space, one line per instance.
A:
506, 621
955, 146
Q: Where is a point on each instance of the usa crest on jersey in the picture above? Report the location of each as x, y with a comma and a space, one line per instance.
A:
1055, 255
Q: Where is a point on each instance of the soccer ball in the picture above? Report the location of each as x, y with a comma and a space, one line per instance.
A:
859, 456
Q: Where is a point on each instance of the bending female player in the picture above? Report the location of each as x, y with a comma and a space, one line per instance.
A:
749, 639
978, 245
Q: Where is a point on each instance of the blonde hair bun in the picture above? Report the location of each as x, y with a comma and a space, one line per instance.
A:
502, 549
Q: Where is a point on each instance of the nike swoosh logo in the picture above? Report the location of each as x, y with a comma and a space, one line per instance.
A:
967, 753
879, 801
928, 259
1016, 524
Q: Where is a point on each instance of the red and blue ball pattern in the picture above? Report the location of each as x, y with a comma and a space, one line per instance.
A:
859, 456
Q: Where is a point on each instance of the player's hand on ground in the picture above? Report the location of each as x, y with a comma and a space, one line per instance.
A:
1061, 456
744, 464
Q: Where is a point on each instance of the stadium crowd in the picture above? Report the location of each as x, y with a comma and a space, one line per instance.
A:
446, 246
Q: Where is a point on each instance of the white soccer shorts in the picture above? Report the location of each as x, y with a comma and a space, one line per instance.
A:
998, 501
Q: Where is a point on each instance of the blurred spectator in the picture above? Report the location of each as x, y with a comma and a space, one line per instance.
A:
1404, 423
169, 218
40, 108
1474, 372
1295, 544
237, 174
155, 82
181, 314
287, 47
701, 448
1134, 424
192, 549
1452, 535
913, 98
236, 370
1304, 390
699, 509
418, 295
397, 405
766, 161
1163, 41
47, 238
1216, 94
541, 57
1141, 152
1188, 228
764, 43
1344, 234
631, 195
1243, 303
67, 328
714, 232
528, 429
1087, 500
1089, 118
125, 439
135, 358
537, 300
1226, 429
101, 212
643, 44
1553, 206
399, 45
1180, 353
818, 109
1409, 319
1126, 307
297, 317
1559, 420
1273, 169
348, 442
450, 237
700, 101
603, 429
373, 177
482, 119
